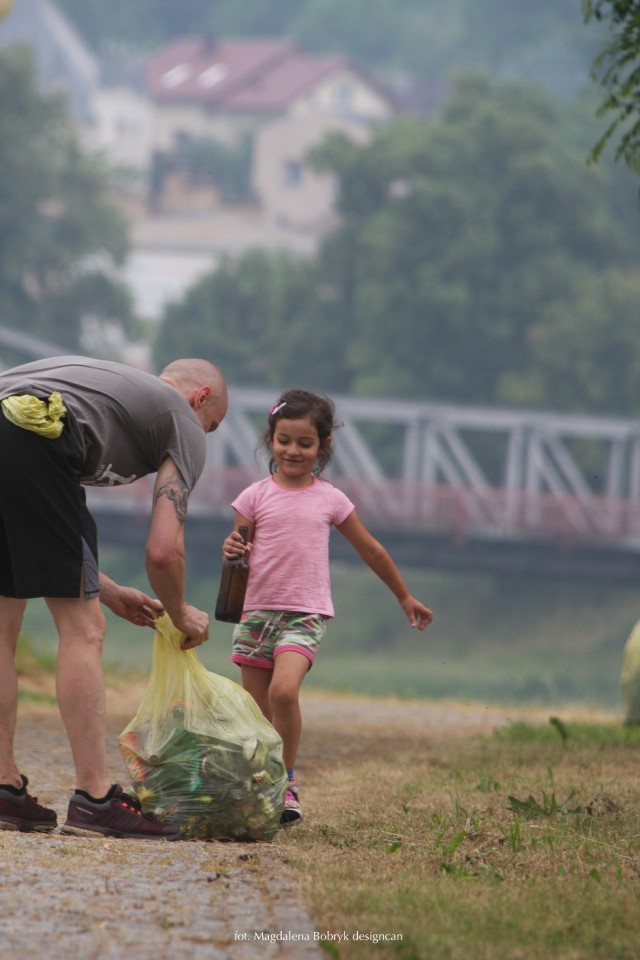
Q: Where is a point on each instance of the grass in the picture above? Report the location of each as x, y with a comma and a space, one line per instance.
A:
521, 844
423, 841
518, 845
509, 677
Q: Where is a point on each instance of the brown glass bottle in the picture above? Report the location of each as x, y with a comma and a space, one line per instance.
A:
233, 586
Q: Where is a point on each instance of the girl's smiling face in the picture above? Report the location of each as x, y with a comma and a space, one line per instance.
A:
295, 445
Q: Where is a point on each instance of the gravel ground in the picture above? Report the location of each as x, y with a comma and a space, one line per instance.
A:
102, 899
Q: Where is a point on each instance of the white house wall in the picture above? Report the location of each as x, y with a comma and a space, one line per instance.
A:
343, 94
289, 192
122, 127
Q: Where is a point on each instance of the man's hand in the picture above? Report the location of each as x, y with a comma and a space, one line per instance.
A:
129, 603
194, 624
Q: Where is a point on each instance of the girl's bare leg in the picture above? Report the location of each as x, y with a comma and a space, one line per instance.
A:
290, 669
256, 680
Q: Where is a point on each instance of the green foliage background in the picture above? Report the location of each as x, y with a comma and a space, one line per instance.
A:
478, 259
60, 236
421, 39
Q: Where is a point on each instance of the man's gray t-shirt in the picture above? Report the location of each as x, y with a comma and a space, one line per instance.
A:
126, 421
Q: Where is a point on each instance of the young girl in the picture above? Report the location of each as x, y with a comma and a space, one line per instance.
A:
289, 515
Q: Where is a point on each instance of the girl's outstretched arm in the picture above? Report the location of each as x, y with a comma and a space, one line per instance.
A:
380, 561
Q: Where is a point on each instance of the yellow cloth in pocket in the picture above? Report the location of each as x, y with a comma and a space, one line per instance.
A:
40, 416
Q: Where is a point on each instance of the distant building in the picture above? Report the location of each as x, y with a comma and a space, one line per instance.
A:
122, 118
290, 193
287, 100
138, 112
63, 60
113, 117
223, 87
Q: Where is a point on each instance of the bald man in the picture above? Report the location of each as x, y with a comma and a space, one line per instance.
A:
69, 422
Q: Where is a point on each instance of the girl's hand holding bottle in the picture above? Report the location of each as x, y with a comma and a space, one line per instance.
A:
234, 578
234, 546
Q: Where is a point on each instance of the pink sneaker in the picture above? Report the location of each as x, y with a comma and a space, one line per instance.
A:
292, 812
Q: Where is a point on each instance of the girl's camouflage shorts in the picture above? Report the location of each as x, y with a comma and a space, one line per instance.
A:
263, 634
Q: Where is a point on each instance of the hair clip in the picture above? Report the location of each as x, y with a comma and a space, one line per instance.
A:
276, 407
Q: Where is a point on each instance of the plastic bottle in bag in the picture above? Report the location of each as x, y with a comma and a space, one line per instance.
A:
233, 586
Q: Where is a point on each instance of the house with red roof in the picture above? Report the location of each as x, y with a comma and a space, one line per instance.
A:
284, 98
138, 113
231, 85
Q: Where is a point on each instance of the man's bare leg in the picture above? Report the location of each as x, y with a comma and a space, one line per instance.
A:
80, 688
11, 613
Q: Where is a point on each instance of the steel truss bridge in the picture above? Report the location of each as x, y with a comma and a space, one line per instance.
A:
440, 485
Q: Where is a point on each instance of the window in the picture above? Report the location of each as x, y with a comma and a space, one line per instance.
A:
342, 95
212, 75
176, 76
292, 173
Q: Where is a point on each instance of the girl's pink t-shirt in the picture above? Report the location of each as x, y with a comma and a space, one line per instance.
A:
289, 560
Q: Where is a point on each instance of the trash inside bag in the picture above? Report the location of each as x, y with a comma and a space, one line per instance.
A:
630, 677
199, 750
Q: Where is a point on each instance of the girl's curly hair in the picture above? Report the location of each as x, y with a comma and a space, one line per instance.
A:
295, 405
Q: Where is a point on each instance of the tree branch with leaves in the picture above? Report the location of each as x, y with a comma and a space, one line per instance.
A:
617, 69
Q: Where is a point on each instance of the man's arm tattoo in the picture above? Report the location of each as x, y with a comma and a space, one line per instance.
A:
177, 491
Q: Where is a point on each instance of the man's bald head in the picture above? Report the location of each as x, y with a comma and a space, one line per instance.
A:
203, 386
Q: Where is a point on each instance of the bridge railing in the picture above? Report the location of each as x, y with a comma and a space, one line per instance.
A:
461, 513
467, 512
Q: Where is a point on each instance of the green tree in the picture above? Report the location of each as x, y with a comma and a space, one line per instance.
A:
477, 257
150, 22
617, 69
537, 42
263, 318
59, 236
457, 236
586, 358
373, 31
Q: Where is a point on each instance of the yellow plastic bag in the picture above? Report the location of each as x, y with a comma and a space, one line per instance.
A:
199, 750
630, 677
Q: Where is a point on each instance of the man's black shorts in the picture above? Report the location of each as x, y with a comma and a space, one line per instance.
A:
48, 538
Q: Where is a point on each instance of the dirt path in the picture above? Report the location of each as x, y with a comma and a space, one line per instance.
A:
102, 899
